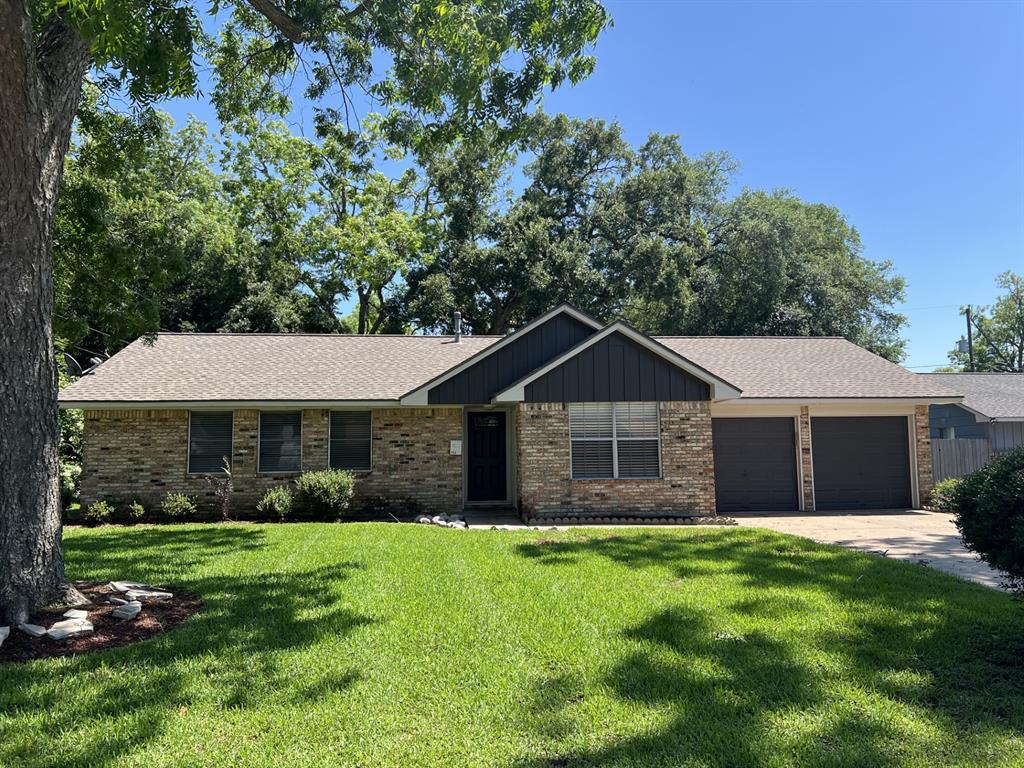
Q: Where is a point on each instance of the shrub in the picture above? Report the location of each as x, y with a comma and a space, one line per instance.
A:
179, 505
99, 512
944, 494
989, 506
276, 502
135, 512
223, 485
69, 474
327, 491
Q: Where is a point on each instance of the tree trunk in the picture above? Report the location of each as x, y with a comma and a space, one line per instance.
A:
40, 84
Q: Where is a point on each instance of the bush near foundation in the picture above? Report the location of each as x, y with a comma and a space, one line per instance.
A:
327, 492
989, 506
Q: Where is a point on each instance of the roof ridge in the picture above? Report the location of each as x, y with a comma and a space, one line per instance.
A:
286, 334
746, 336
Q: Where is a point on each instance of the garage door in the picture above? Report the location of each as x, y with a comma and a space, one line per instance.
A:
861, 462
755, 465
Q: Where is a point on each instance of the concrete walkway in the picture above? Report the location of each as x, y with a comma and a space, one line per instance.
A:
930, 538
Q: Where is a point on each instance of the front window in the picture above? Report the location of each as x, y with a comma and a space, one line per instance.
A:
350, 440
280, 442
614, 440
209, 441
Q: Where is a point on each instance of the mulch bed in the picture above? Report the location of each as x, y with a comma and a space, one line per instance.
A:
156, 617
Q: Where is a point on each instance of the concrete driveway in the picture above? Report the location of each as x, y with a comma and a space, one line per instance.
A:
930, 538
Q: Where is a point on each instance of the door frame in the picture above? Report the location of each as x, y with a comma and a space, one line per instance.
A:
510, 457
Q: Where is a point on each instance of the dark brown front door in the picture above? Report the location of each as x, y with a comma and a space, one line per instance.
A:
485, 456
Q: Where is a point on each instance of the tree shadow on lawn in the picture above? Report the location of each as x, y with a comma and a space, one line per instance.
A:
93, 708
735, 698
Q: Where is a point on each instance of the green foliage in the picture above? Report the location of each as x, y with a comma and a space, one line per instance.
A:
179, 505
943, 495
989, 507
998, 331
70, 472
724, 648
646, 233
276, 502
99, 512
135, 512
327, 491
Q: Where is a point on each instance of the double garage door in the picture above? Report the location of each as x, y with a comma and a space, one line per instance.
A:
859, 463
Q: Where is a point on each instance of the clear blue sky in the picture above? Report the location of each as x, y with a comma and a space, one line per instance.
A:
909, 117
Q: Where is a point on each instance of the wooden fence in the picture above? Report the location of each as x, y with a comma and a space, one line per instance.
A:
956, 458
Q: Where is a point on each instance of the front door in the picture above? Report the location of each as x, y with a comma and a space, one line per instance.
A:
487, 478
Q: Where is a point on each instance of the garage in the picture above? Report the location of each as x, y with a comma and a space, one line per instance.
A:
755, 465
861, 462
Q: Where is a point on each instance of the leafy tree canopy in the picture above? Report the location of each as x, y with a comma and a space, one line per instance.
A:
646, 233
998, 331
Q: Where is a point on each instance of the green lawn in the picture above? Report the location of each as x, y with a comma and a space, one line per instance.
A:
399, 645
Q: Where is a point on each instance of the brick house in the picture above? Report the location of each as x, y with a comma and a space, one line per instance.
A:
565, 416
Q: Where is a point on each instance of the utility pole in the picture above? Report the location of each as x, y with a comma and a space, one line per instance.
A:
970, 339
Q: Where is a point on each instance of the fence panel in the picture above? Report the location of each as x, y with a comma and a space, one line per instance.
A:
956, 458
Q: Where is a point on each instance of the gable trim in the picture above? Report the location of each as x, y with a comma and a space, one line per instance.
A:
720, 388
419, 395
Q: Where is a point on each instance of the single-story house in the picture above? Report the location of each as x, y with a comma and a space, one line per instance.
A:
564, 416
992, 409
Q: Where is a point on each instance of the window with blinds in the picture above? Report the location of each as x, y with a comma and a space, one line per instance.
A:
614, 440
209, 441
280, 442
350, 440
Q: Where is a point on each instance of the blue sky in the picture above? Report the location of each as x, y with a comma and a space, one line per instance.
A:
909, 117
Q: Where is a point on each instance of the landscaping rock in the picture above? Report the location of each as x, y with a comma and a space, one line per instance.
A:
423, 520
116, 600
4, 632
69, 628
76, 613
127, 611
33, 630
124, 586
148, 594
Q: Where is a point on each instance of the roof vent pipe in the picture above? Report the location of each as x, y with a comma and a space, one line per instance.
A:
457, 326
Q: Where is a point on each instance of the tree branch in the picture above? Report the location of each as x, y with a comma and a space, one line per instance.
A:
281, 21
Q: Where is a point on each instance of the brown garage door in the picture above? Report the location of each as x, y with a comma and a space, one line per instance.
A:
861, 462
755, 465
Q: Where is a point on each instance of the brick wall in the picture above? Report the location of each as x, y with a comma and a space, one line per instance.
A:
143, 454
687, 485
806, 466
923, 452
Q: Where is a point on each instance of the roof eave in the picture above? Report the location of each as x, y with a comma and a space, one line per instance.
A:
156, 405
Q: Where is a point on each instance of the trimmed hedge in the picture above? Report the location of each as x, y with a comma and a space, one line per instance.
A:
989, 506
327, 492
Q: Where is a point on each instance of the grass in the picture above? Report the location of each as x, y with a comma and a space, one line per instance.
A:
389, 645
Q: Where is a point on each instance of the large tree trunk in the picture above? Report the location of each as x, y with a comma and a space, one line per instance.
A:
40, 84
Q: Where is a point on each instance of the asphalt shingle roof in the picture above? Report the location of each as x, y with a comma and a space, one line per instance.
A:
184, 367
996, 395
180, 367
802, 367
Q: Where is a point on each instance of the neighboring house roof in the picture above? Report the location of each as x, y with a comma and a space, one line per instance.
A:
997, 396
228, 367
816, 367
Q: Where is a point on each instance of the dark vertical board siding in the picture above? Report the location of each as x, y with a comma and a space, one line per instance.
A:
616, 369
481, 381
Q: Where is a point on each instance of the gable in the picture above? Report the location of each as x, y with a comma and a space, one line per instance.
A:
615, 368
479, 382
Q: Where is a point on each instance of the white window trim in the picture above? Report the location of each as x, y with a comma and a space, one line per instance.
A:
259, 440
330, 427
188, 446
615, 439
